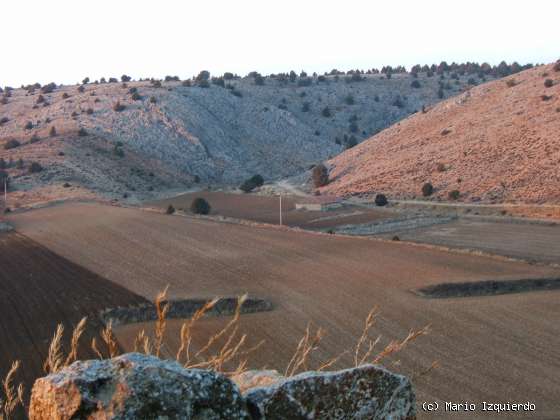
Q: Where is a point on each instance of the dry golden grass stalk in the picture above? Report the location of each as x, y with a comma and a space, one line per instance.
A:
142, 343
307, 345
370, 321
76, 334
240, 301
110, 341
396, 346
55, 358
161, 324
96, 349
186, 329
12, 396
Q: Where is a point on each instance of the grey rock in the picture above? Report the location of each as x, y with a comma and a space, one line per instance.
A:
366, 392
135, 386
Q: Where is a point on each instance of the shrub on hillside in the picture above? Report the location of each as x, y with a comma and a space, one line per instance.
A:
305, 107
258, 79
381, 200
351, 142
81, 89
203, 75
200, 206
557, 66
136, 96
511, 82
49, 88
440, 167
125, 78
4, 180
415, 84
170, 209
548, 83
35, 167
52, 131
250, 184
82, 132
218, 81
11, 144
186, 83
203, 83
118, 107
398, 102
34, 138
326, 112
349, 100
454, 195
28, 125
320, 175
153, 99
427, 189
89, 111
118, 151
19, 163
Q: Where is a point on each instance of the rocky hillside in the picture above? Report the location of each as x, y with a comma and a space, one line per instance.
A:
497, 142
137, 138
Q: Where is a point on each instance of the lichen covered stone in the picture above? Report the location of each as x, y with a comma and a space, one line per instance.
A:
366, 392
135, 386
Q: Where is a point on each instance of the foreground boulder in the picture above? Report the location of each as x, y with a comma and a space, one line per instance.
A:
135, 386
367, 392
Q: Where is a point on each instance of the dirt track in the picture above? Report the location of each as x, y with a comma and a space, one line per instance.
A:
493, 349
265, 209
38, 290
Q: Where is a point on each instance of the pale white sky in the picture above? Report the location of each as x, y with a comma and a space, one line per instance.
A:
65, 40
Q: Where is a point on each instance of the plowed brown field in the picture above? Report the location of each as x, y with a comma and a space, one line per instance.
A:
265, 209
502, 348
38, 290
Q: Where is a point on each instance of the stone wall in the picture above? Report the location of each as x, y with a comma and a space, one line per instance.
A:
135, 386
181, 309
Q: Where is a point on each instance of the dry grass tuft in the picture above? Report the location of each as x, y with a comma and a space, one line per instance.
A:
55, 358
76, 335
161, 323
110, 340
186, 331
224, 352
212, 357
307, 345
13, 397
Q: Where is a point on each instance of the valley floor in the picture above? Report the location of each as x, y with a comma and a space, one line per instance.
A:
500, 348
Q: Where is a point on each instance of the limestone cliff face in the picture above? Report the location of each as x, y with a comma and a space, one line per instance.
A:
169, 136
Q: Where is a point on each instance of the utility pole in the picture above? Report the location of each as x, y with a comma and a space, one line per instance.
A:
280, 209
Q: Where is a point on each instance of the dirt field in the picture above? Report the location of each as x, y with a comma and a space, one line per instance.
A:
501, 348
38, 290
265, 209
533, 242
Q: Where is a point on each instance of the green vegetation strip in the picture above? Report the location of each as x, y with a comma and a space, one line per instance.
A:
487, 288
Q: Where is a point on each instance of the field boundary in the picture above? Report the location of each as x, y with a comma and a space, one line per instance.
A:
487, 288
184, 308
